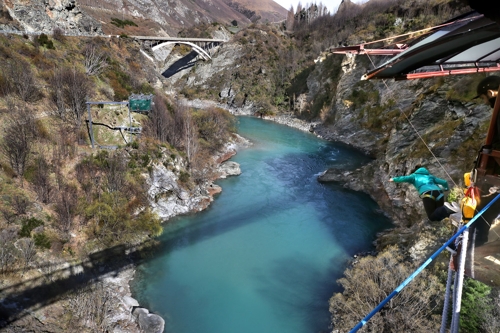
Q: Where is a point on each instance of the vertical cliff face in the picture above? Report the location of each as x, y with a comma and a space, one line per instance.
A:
404, 123
44, 15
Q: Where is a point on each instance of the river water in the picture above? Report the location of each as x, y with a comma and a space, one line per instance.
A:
265, 256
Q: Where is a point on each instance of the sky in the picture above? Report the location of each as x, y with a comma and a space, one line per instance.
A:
332, 5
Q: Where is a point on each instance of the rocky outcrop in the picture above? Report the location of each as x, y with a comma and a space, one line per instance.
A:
229, 168
291, 121
149, 322
43, 16
168, 198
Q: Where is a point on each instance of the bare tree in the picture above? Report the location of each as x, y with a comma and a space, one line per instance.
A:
58, 34
70, 89
95, 59
7, 250
160, 121
91, 306
41, 180
21, 80
65, 206
190, 138
177, 136
116, 168
8, 214
57, 92
20, 204
290, 19
77, 89
18, 139
27, 251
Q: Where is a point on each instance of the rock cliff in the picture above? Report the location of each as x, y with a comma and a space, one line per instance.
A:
43, 16
402, 124
150, 17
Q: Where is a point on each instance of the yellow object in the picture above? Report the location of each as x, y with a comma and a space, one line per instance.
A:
468, 207
469, 203
467, 179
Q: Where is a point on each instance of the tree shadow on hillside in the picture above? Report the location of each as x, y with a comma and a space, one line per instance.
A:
23, 298
184, 63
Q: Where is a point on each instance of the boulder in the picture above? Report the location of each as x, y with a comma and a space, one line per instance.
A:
129, 301
229, 168
149, 322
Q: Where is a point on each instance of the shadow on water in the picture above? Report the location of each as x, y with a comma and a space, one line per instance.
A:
22, 298
214, 226
181, 64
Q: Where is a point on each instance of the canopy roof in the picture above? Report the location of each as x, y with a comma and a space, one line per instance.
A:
467, 44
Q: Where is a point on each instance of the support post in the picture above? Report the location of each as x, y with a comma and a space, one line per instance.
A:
130, 136
459, 283
491, 134
446, 307
91, 132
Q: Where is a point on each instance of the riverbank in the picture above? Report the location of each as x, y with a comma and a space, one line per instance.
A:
128, 315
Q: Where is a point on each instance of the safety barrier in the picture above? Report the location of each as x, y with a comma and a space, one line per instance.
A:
421, 268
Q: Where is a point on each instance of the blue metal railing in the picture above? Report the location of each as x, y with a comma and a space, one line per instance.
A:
421, 268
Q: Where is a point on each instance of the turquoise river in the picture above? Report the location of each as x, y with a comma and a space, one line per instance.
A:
265, 256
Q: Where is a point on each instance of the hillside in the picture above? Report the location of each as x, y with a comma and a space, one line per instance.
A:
150, 17
64, 206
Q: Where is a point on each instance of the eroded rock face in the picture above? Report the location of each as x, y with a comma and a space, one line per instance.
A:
393, 128
168, 199
43, 16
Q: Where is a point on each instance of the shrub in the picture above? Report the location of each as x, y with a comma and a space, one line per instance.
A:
370, 281
184, 177
41, 240
122, 23
120, 82
476, 305
28, 225
43, 40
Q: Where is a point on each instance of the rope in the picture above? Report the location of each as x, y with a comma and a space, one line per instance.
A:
428, 148
444, 317
416, 132
421, 268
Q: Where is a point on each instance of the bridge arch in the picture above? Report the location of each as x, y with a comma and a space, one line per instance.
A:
195, 47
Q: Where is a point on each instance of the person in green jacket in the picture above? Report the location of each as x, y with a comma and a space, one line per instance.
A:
428, 187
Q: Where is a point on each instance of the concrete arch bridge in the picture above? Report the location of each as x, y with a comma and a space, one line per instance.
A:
202, 46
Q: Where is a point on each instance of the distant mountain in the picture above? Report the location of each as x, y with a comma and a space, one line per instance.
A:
170, 16
266, 10
132, 17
